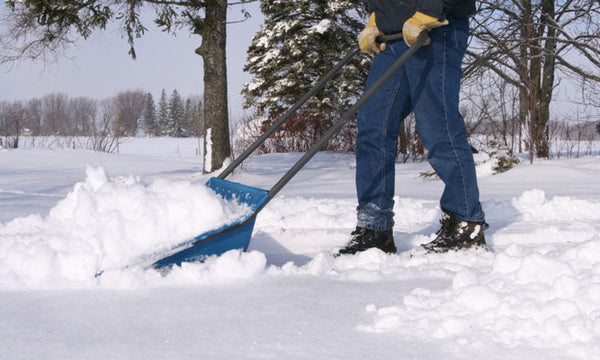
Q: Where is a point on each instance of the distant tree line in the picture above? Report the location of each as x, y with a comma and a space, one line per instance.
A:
129, 113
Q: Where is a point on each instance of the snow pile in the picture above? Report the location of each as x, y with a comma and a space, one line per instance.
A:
106, 223
533, 219
518, 297
539, 289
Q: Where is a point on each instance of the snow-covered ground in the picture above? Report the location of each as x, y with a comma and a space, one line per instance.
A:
65, 214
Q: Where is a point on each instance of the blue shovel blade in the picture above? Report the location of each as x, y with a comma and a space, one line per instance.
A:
229, 237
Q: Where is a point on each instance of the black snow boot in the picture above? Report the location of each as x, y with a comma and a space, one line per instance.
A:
363, 239
457, 235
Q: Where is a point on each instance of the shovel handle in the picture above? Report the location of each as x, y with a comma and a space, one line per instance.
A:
387, 38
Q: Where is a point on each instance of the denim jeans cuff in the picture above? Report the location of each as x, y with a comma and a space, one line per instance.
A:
372, 217
374, 224
477, 217
477, 221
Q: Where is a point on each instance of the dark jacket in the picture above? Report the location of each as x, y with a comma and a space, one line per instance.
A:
390, 15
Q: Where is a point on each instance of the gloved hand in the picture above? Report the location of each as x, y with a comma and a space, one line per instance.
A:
367, 39
418, 23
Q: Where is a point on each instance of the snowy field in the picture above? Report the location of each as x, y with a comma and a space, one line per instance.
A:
66, 214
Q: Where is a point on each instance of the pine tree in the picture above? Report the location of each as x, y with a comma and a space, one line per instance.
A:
163, 113
299, 42
150, 116
176, 115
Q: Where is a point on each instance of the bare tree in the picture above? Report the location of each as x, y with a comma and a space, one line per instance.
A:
409, 146
13, 118
2, 124
33, 116
129, 109
525, 42
82, 112
55, 118
103, 138
493, 109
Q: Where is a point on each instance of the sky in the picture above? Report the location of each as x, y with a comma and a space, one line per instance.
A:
100, 67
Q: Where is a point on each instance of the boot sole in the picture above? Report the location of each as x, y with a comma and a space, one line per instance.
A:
465, 246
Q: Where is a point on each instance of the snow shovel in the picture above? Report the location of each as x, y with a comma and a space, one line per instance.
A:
237, 235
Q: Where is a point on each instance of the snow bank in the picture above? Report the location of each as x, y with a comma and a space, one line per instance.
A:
103, 224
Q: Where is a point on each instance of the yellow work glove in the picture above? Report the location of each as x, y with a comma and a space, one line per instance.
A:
418, 23
367, 39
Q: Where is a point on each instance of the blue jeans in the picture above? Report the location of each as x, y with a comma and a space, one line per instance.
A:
429, 85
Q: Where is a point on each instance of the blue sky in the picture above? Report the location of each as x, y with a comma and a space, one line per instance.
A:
100, 67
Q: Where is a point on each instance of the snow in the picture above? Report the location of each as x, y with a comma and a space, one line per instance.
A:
208, 158
67, 213
103, 224
320, 28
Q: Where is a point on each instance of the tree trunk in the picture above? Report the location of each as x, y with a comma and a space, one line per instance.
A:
217, 147
522, 69
547, 81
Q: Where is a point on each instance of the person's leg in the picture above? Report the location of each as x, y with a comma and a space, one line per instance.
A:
378, 123
434, 75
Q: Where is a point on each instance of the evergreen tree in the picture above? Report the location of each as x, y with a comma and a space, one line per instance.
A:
299, 42
150, 116
176, 115
163, 113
